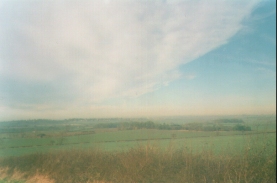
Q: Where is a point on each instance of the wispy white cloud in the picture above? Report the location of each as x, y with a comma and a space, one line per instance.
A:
96, 50
265, 14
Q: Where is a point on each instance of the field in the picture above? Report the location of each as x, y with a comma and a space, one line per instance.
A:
33, 141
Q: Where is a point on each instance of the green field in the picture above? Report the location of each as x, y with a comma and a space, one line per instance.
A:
122, 140
22, 138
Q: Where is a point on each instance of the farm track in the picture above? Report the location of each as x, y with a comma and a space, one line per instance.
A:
134, 140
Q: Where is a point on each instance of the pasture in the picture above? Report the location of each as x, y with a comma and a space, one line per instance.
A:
19, 139
25, 137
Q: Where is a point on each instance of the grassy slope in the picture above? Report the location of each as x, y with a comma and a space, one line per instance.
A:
131, 156
256, 163
122, 140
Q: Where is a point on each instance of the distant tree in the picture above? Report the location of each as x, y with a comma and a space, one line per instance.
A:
240, 127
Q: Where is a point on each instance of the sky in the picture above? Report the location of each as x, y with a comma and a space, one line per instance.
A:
136, 58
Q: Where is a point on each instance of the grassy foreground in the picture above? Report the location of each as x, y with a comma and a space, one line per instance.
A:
144, 164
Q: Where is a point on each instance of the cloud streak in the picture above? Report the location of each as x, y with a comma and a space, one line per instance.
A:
86, 52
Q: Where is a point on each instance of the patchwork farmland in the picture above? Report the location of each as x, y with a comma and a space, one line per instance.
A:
229, 137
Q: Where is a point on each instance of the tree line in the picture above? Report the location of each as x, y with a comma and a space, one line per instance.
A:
164, 126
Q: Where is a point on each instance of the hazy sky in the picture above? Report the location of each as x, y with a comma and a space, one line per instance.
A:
136, 58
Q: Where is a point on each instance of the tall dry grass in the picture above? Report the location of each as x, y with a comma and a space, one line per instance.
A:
148, 164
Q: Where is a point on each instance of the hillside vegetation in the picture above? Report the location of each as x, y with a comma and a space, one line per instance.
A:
139, 150
147, 164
